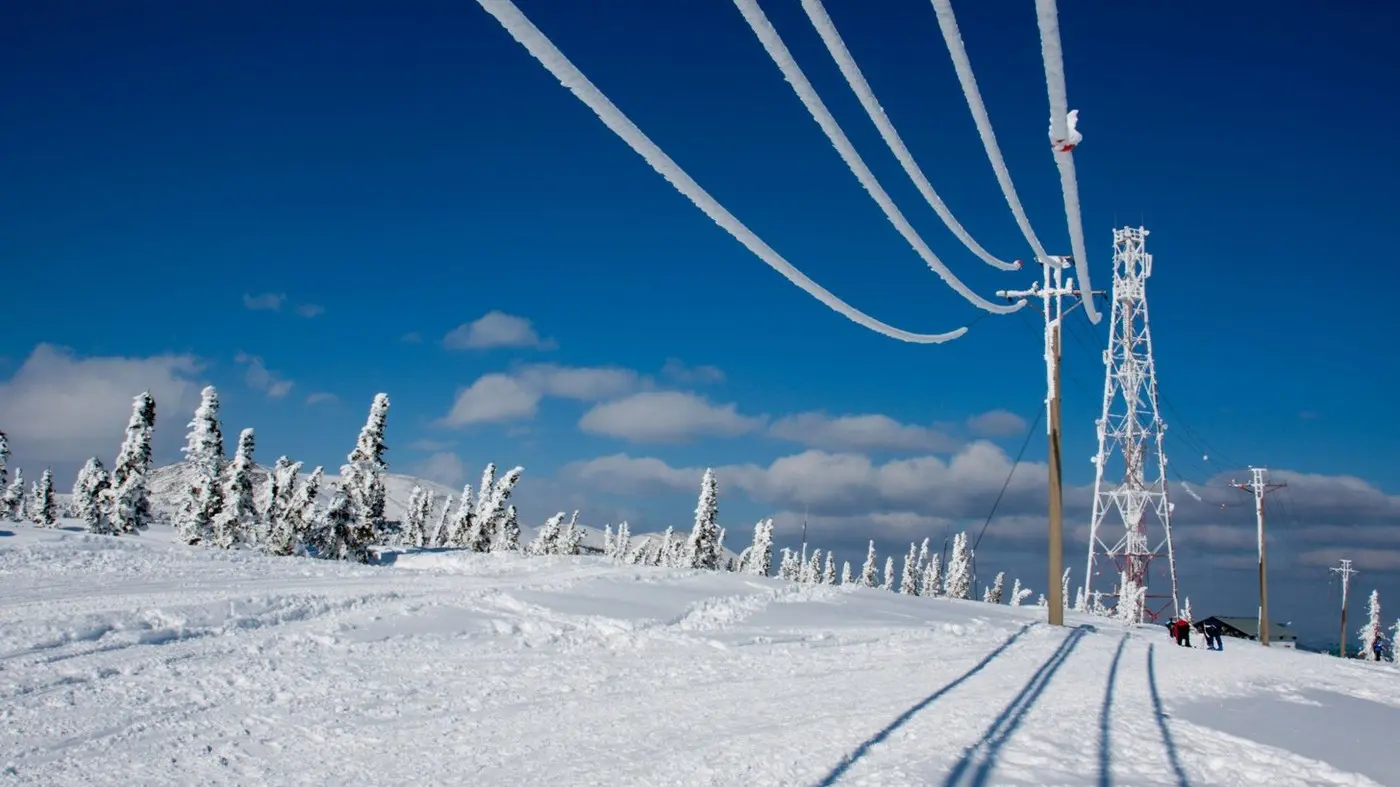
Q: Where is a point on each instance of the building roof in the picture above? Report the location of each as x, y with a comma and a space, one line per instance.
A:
1250, 627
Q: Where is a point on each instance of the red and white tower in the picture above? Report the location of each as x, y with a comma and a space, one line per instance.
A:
1131, 523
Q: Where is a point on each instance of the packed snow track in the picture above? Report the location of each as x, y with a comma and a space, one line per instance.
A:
133, 661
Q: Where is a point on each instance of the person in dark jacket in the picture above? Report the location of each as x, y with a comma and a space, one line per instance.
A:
1211, 630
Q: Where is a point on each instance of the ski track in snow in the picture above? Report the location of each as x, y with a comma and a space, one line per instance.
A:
131, 661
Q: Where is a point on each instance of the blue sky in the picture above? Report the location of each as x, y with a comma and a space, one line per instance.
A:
406, 169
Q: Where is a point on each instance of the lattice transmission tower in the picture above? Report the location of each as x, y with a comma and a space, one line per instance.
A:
1131, 524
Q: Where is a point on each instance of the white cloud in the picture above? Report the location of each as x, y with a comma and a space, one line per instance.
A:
61, 408
322, 397
261, 379
871, 432
496, 329
493, 397
442, 467
676, 370
665, 417
430, 446
515, 395
627, 475
412, 337
266, 302
997, 423
309, 310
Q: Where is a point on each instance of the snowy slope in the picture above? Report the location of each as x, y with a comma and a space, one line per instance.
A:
133, 661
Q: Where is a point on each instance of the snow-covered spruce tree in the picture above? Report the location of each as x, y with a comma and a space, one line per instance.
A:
959, 581
204, 455
665, 548
1042, 601
413, 519
45, 504
367, 461
4, 463
1015, 591
701, 549
12, 502
302, 522
1019, 594
1371, 632
787, 566
1064, 587
129, 509
438, 536
1130, 598
340, 529
272, 492
427, 508
869, 574
1395, 641
888, 582
760, 562
236, 522
623, 547
460, 529
1079, 599
548, 536
719, 550
909, 579
609, 544
829, 574
846, 572
933, 578
1186, 611
999, 587
1096, 606
572, 537
282, 517
491, 507
922, 563
814, 568
88, 493
507, 536
637, 556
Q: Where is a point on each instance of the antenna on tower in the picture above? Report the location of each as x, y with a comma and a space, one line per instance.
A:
1131, 430
1346, 571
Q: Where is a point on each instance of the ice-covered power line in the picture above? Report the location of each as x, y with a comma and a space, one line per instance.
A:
816, 12
549, 56
778, 51
948, 24
1062, 137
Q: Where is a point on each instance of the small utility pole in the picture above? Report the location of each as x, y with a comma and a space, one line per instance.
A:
1051, 292
1260, 488
1346, 571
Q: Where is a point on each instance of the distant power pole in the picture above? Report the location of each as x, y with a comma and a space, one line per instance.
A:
1346, 571
1051, 291
1259, 487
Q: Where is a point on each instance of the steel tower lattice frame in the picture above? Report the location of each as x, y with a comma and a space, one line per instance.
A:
1131, 429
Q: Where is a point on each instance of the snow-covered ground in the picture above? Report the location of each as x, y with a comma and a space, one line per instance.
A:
134, 661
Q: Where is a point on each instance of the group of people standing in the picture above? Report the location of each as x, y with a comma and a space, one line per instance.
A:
1180, 631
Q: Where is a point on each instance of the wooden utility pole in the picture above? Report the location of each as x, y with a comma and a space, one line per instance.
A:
1260, 488
1346, 571
1051, 292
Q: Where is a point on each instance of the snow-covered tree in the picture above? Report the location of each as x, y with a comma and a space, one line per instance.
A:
623, 546
547, 538
13, 502
609, 544
1371, 633
829, 575
1130, 600
572, 539
1019, 594
760, 561
362, 477
994, 595
341, 531
959, 581
204, 455
704, 536
507, 535
888, 582
1042, 601
1395, 641
45, 504
282, 521
88, 493
814, 567
1186, 611
922, 564
4, 460
413, 529
788, 567
1064, 587
301, 523
491, 507
129, 508
1096, 606
272, 495
846, 572
933, 578
869, 574
234, 524
909, 578
637, 555
1079, 599
459, 531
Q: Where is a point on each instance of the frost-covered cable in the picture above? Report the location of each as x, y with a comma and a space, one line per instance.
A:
773, 44
948, 24
1053, 56
549, 56
816, 12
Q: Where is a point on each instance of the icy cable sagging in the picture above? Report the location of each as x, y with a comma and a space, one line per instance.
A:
549, 56
773, 45
816, 12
